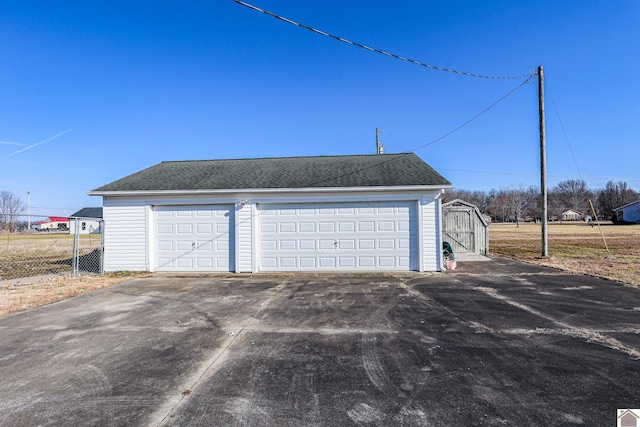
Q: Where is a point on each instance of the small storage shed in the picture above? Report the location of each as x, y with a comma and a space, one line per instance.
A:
465, 228
326, 213
86, 221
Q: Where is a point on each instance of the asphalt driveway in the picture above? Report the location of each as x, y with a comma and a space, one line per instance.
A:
492, 343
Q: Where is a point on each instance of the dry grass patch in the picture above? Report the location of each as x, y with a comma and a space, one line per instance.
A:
17, 297
574, 247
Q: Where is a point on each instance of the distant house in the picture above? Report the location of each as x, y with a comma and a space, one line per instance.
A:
52, 223
86, 221
628, 213
571, 215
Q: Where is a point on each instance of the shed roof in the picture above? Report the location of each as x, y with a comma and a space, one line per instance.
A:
626, 206
405, 169
88, 213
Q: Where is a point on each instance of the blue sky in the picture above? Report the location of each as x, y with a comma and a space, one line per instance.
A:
92, 92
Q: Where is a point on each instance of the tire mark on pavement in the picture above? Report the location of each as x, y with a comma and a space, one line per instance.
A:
589, 335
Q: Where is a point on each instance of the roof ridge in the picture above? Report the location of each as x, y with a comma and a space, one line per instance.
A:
289, 157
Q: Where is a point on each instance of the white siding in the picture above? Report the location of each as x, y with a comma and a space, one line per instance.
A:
631, 213
91, 226
244, 238
125, 236
431, 235
129, 237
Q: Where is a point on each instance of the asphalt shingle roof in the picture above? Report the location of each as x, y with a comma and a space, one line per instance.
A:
405, 169
88, 213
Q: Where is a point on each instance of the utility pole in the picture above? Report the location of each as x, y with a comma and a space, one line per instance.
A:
379, 147
543, 163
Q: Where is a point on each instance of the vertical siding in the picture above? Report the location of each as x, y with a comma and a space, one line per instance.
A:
430, 234
125, 236
244, 238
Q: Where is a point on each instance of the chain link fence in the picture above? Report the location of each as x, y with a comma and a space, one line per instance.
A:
32, 246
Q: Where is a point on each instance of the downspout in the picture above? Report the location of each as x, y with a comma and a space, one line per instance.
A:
438, 199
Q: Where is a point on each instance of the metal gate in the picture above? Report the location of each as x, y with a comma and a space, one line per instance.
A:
88, 247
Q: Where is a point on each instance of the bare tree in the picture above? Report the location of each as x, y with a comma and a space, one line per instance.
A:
516, 200
10, 208
571, 194
614, 195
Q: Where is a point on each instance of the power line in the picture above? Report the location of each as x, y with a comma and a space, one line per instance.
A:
372, 49
477, 115
499, 173
566, 137
435, 140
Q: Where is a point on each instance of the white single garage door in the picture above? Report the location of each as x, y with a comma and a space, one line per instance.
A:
337, 236
194, 238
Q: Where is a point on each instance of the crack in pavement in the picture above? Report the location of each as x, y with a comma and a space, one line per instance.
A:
209, 367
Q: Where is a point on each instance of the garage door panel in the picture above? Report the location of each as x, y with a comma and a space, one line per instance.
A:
184, 228
346, 227
327, 262
366, 244
384, 226
346, 236
326, 227
204, 228
385, 261
367, 262
287, 245
288, 262
307, 245
307, 262
307, 227
268, 245
193, 238
165, 228
364, 226
384, 244
287, 227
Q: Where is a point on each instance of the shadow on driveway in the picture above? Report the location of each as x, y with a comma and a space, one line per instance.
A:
491, 343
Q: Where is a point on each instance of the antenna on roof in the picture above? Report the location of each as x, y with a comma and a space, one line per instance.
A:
379, 147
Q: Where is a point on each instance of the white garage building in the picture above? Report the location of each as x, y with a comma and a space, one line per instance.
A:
330, 213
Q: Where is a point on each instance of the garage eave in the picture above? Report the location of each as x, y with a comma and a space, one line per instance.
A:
137, 193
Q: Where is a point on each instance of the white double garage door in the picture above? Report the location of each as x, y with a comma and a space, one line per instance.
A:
289, 237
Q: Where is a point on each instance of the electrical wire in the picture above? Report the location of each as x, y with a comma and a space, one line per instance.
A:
372, 49
564, 131
499, 173
476, 116
433, 141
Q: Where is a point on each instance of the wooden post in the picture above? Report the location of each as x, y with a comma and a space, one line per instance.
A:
543, 163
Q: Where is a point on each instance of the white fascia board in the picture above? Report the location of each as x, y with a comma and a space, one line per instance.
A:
269, 190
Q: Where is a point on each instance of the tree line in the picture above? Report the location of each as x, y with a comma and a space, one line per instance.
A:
517, 203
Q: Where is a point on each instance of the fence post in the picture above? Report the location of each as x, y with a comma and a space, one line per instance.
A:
102, 247
76, 249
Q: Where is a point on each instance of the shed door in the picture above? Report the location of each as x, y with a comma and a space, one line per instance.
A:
337, 236
194, 238
459, 229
